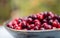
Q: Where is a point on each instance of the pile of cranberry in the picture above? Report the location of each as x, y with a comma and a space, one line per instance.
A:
39, 21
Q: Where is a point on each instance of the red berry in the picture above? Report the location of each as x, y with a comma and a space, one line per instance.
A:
34, 16
36, 28
40, 21
39, 27
19, 21
37, 23
59, 25
51, 14
10, 25
36, 20
55, 23
40, 16
14, 22
29, 20
20, 24
50, 22
23, 22
28, 26
32, 25
47, 27
18, 28
44, 21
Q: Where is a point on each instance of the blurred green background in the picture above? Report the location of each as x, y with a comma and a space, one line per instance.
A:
21, 8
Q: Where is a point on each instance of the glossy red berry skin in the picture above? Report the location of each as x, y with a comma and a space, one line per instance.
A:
49, 27
32, 26
29, 20
40, 21
36, 20
51, 14
18, 28
46, 26
34, 16
55, 23
36, 28
10, 25
40, 16
24, 22
28, 26
58, 25
37, 23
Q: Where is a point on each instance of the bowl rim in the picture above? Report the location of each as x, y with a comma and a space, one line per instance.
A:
5, 25
32, 30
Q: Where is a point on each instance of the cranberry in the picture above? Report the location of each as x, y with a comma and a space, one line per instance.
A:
20, 24
39, 27
29, 20
10, 25
36, 20
44, 21
34, 16
46, 26
19, 21
28, 26
55, 23
36, 28
23, 22
18, 28
14, 22
58, 25
40, 21
37, 23
32, 26
50, 22
45, 14
59, 19
16, 25
49, 17
49, 27
51, 14
40, 16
